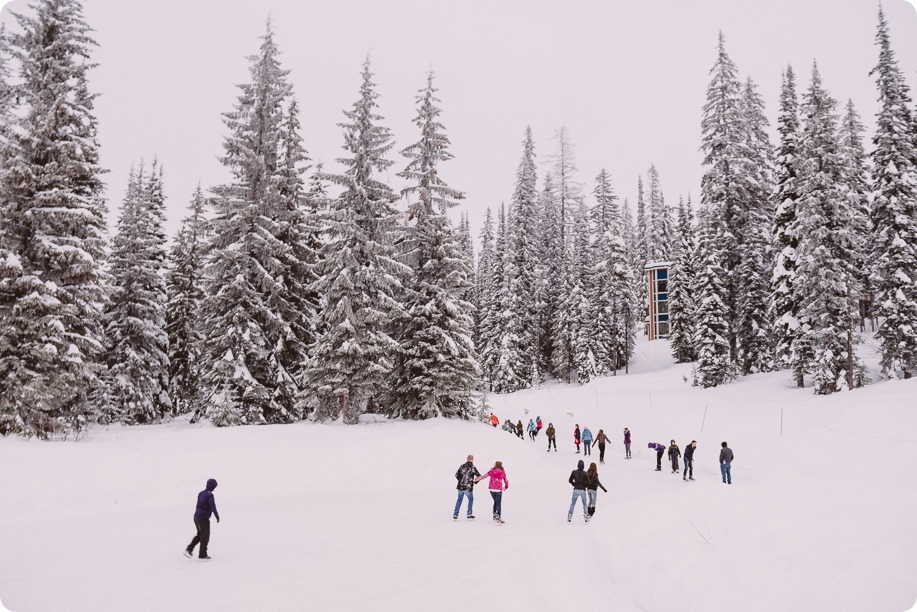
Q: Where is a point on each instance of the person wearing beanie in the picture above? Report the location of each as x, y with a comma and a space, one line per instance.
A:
580, 481
659, 448
206, 505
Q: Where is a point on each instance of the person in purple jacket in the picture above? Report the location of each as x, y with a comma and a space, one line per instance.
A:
659, 448
206, 505
626, 443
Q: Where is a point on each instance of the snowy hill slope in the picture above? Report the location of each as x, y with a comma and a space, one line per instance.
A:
322, 517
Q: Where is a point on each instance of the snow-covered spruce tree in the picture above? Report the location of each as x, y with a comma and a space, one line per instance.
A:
466, 248
612, 280
358, 274
682, 284
659, 223
185, 295
753, 324
826, 286
252, 313
641, 251
785, 228
503, 360
579, 306
138, 360
632, 307
550, 268
522, 276
52, 288
894, 214
723, 144
857, 173
484, 295
714, 365
435, 365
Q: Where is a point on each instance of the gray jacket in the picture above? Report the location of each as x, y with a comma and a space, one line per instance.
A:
726, 455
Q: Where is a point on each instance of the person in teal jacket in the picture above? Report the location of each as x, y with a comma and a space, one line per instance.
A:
587, 441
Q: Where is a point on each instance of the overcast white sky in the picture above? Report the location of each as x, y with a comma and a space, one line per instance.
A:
627, 79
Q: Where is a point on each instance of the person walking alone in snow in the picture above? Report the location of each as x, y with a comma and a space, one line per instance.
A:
674, 454
659, 448
626, 443
552, 437
498, 483
538, 426
576, 438
587, 441
580, 481
601, 439
592, 488
531, 429
494, 420
519, 430
206, 505
465, 476
726, 458
689, 461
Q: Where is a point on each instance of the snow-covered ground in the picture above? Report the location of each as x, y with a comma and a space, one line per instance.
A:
332, 517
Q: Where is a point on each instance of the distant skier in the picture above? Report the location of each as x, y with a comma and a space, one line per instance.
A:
601, 439
674, 454
465, 476
580, 481
519, 430
538, 426
626, 443
726, 458
552, 437
592, 487
494, 420
532, 430
576, 438
659, 448
206, 505
689, 461
587, 441
498, 483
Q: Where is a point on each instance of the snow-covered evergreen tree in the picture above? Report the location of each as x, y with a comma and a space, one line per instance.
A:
660, 228
785, 228
254, 307
138, 361
579, 306
436, 366
484, 295
753, 325
358, 273
501, 362
550, 269
52, 283
682, 285
524, 351
714, 365
641, 251
185, 294
894, 214
826, 286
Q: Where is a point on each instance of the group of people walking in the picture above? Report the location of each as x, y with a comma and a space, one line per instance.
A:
674, 453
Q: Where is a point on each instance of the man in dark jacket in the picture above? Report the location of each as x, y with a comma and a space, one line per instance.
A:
465, 476
726, 458
580, 481
552, 437
659, 448
206, 505
689, 461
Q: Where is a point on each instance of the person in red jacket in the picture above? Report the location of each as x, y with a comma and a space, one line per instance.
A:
498, 483
494, 420
576, 438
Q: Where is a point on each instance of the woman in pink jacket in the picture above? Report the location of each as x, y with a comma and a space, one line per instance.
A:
498, 482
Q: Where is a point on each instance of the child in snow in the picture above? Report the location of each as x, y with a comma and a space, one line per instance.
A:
498, 483
659, 448
587, 441
206, 505
576, 438
592, 487
674, 454
626, 443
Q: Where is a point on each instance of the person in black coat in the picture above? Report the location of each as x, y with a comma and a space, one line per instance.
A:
580, 481
689, 461
206, 505
674, 454
465, 476
726, 458
592, 474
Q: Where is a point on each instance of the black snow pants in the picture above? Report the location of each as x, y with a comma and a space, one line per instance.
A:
202, 536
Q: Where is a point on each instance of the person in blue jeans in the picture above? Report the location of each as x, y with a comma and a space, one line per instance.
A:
465, 476
587, 441
580, 480
726, 457
206, 505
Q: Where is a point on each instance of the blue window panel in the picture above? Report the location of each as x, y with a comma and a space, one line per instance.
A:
663, 317
662, 273
662, 297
